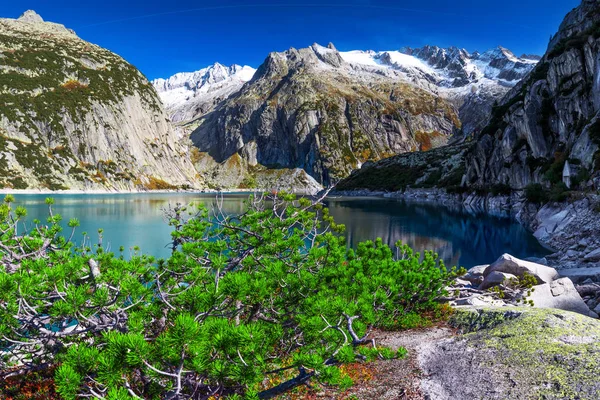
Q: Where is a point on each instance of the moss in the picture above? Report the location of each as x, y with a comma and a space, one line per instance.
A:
551, 351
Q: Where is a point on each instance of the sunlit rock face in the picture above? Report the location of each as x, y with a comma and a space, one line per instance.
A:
551, 116
76, 116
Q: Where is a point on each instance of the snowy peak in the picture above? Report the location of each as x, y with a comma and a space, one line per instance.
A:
188, 95
449, 67
205, 79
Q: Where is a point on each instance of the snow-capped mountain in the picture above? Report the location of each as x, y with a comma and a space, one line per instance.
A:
188, 95
473, 81
451, 67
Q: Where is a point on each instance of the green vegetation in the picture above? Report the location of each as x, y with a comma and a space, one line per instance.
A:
536, 193
392, 178
247, 306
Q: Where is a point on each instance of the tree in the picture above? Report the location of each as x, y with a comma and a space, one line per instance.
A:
273, 292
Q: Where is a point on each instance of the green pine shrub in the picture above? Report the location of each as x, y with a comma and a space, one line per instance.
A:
273, 292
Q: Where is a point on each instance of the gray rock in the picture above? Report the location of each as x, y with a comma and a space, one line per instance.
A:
512, 265
593, 256
495, 278
578, 275
31, 17
573, 254
475, 274
560, 294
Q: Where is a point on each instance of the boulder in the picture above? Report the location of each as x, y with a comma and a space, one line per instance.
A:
560, 294
494, 279
475, 274
510, 353
512, 265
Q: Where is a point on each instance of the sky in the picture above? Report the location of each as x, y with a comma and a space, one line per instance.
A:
162, 38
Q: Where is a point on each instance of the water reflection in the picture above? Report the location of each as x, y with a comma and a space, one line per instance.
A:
460, 238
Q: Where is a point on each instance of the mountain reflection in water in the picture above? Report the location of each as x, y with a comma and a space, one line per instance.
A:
460, 238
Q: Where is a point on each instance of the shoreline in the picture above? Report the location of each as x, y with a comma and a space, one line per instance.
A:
571, 230
117, 192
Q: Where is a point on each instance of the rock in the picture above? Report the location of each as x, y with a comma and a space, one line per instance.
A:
588, 281
573, 254
578, 275
560, 294
475, 274
594, 315
512, 265
495, 278
510, 353
479, 301
597, 309
593, 256
30, 16
463, 282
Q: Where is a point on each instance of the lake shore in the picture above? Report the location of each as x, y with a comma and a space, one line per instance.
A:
109, 192
570, 229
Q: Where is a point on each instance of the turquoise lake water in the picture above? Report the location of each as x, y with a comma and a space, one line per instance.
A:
459, 237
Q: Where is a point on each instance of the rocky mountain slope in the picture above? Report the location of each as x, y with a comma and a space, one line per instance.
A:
472, 81
313, 110
549, 118
189, 95
76, 116
327, 112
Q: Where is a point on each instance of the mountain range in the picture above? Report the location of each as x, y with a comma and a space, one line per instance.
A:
550, 118
77, 116
327, 112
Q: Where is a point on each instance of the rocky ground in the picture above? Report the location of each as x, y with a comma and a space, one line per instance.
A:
485, 353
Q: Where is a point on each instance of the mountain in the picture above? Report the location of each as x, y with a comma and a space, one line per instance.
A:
76, 116
311, 109
472, 81
189, 95
266, 126
551, 116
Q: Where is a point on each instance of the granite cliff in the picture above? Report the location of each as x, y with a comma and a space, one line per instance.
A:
76, 116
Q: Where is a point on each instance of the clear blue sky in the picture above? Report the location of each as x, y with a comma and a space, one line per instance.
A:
165, 37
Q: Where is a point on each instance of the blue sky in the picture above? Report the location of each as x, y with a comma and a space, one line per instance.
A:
165, 37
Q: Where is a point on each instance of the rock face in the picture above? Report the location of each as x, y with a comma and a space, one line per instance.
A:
514, 353
190, 95
551, 116
76, 116
310, 109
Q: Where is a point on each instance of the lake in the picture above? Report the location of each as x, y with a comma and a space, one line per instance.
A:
460, 238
